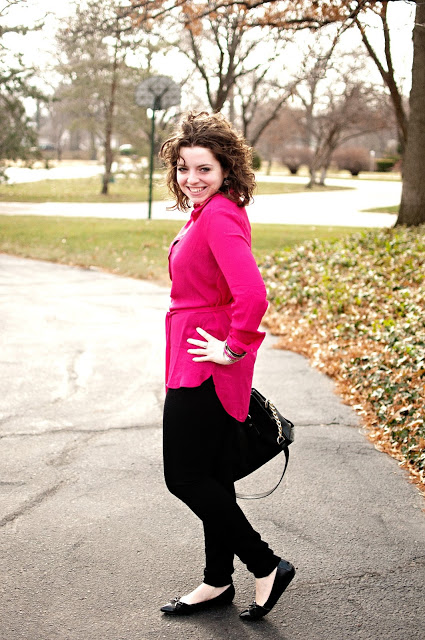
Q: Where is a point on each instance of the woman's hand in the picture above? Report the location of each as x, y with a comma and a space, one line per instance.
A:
209, 349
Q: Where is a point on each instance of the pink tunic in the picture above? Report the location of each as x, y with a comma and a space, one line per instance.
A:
216, 285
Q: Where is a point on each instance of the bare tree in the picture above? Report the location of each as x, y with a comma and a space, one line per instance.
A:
357, 111
94, 45
337, 105
386, 66
56, 122
282, 14
222, 52
239, 68
261, 100
281, 135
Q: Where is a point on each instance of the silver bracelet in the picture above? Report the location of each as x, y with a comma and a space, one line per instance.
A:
232, 355
229, 359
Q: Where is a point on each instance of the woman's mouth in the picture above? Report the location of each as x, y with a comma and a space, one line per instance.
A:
196, 190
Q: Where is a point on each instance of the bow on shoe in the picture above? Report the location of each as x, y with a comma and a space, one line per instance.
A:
284, 574
179, 608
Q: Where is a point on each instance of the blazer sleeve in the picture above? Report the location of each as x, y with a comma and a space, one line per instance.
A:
229, 238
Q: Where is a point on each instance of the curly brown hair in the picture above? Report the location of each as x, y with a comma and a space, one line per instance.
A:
215, 133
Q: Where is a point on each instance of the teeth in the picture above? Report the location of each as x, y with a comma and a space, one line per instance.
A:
197, 190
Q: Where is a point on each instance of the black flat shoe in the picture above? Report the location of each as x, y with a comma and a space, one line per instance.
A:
284, 574
178, 608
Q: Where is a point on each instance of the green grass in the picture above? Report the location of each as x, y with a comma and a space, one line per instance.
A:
367, 175
79, 190
271, 188
281, 170
123, 190
137, 248
389, 209
267, 238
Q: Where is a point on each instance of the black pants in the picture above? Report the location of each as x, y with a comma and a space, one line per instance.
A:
198, 470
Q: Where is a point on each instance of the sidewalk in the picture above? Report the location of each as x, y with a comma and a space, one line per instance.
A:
92, 543
329, 208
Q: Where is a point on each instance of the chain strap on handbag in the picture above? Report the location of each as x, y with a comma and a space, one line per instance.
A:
280, 439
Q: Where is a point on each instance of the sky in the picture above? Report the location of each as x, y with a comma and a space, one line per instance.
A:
38, 44
38, 47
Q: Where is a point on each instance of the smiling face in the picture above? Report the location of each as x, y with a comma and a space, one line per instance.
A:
199, 173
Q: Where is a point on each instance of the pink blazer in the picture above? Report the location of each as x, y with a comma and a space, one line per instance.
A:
216, 285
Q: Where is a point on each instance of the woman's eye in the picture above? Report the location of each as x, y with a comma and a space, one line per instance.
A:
181, 169
205, 169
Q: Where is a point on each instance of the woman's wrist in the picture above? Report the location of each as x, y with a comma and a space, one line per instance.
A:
228, 359
230, 355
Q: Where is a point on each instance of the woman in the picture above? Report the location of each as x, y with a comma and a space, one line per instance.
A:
217, 302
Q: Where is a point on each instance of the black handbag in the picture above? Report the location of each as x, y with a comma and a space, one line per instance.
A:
264, 434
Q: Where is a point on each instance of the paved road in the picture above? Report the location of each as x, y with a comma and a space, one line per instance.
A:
92, 543
330, 208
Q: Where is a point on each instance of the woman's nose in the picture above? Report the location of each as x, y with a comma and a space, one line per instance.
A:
192, 177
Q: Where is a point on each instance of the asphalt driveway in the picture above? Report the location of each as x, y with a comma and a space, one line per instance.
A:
92, 544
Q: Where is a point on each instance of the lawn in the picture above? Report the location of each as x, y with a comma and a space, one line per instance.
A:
122, 190
136, 248
389, 209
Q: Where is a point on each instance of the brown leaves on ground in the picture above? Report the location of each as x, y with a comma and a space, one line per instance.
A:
356, 308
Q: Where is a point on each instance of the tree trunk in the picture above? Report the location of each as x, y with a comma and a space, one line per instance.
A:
108, 158
93, 150
312, 180
412, 208
388, 75
323, 174
231, 99
74, 143
109, 123
269, 167
315, 164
